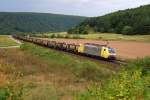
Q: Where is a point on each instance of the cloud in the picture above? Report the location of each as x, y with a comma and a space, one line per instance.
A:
72, 7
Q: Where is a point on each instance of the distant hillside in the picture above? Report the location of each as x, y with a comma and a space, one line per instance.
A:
130, 21
12, 22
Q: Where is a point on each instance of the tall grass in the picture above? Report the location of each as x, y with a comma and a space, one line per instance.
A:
80, 67
131, 83
33, 72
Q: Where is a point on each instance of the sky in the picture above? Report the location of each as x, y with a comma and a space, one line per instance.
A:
70, 7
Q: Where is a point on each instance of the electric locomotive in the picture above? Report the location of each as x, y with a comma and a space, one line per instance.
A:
97, 50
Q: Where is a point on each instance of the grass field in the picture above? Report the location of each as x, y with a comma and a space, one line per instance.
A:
131, 83
32, 72
37, 73
5, 41
100, 36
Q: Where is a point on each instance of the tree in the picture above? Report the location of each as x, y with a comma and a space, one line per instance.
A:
127, 30
130, 21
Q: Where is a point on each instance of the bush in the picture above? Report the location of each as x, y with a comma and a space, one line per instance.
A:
76, 37
129, 84
127, 30
66, 36
52, 36
11, 93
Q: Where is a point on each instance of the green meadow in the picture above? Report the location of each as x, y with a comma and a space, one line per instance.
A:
5, 41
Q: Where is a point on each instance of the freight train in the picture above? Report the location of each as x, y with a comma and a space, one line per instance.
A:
95, 50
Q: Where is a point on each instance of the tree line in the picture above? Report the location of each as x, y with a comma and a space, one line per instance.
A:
19, 22
129, 22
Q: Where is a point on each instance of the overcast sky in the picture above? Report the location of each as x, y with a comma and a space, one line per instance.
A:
70, 7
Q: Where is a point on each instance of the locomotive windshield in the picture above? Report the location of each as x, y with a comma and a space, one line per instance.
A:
111, 50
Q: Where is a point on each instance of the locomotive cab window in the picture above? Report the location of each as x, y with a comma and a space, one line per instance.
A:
111, 50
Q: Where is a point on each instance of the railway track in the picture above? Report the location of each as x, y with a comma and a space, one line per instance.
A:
114, 63
120, 62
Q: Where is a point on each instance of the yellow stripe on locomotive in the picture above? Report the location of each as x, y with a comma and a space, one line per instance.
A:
81, 48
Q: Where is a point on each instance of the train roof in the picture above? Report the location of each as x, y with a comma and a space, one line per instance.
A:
93, 44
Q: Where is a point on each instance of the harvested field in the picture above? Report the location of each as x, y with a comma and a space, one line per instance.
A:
124, 49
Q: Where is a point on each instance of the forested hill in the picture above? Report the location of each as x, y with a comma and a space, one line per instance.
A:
130, 21
12, 22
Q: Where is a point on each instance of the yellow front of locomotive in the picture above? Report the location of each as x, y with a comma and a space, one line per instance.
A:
108, 53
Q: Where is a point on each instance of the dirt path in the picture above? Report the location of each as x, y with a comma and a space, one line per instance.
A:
124, 49
17, 41
9, 47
